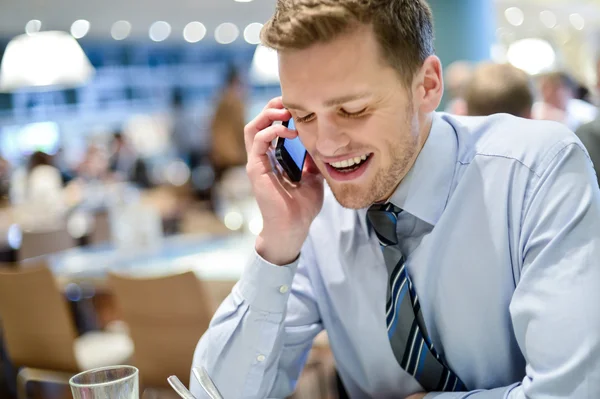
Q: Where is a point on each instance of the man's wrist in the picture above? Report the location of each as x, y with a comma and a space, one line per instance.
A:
270, 250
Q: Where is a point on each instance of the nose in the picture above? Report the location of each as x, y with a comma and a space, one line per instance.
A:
331, 138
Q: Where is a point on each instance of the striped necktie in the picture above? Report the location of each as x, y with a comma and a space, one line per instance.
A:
406, 329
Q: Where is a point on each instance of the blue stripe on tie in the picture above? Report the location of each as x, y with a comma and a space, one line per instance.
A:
392, 217
421, 359
414, 355
391, 325
396, 286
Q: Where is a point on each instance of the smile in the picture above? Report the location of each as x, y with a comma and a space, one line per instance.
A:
348, 165
349, 169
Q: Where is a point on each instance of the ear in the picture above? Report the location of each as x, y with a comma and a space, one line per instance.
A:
429, 85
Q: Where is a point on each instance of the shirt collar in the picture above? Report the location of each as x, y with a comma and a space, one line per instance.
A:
424, 191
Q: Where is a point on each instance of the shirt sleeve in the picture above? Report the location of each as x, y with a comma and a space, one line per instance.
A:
259, 338
554, 308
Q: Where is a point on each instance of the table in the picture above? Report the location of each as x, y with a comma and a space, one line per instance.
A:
217, 260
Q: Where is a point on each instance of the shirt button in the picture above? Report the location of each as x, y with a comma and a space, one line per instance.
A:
283, 289
261, 358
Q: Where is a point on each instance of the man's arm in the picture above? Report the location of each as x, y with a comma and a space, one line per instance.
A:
556, 306
258, 340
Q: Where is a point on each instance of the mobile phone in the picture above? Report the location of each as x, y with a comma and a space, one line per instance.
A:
291, 154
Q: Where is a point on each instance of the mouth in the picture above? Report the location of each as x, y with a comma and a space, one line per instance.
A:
349, 169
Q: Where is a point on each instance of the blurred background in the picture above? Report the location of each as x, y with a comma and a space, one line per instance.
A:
125, 213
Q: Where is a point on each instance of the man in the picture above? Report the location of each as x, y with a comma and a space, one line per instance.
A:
126, 164
456, 78
499, 89
558, 102
589, 134
447, 258
227, 127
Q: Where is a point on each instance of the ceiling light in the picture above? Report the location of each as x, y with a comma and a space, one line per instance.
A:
252, 33
514, 16
194, 32
159, 31
577, 21
33, 26
80, 28
548, 18
120, 30
226, 33
45, 59
531, 55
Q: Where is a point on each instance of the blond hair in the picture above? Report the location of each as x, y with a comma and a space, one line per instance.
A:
499, 88
403, 28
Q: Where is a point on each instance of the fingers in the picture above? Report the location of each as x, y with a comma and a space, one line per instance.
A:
262, 140
263, 121
258, 156
276, 102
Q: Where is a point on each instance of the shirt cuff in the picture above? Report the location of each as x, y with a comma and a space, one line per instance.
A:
265, 286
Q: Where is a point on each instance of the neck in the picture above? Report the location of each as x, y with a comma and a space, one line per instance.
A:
425, 122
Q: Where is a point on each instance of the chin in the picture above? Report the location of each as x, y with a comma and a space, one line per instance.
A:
353, 196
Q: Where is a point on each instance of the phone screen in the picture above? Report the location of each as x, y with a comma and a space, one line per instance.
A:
295, 147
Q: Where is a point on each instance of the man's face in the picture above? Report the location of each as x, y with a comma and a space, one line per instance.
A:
354, 116
555, 93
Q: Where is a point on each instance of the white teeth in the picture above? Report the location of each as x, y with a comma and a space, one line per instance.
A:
349, 162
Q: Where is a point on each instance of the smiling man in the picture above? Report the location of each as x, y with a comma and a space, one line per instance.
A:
446, 257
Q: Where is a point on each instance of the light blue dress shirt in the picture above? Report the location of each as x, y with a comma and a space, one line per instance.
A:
501, 229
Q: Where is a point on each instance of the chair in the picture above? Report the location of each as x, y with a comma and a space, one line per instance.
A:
37, 243
166, 318
40, 335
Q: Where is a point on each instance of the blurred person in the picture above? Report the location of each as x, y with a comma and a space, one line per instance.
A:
227, 127
125, 162
5, 172
589, 133
457, 77
558, 101
39, 182
446, 257
95, 165
38, 194
499, 89
123, 156
583, 93
187, 136
60, 162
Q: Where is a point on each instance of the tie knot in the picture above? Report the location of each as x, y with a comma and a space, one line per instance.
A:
384, 218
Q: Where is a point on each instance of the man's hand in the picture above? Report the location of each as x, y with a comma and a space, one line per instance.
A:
417, 396
287, 209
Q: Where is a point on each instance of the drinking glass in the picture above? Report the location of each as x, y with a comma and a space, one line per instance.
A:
115, 382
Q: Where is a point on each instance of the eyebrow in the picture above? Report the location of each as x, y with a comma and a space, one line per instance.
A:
333, 101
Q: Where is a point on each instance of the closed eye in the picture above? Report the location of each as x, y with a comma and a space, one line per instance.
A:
356, 114
304, 119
